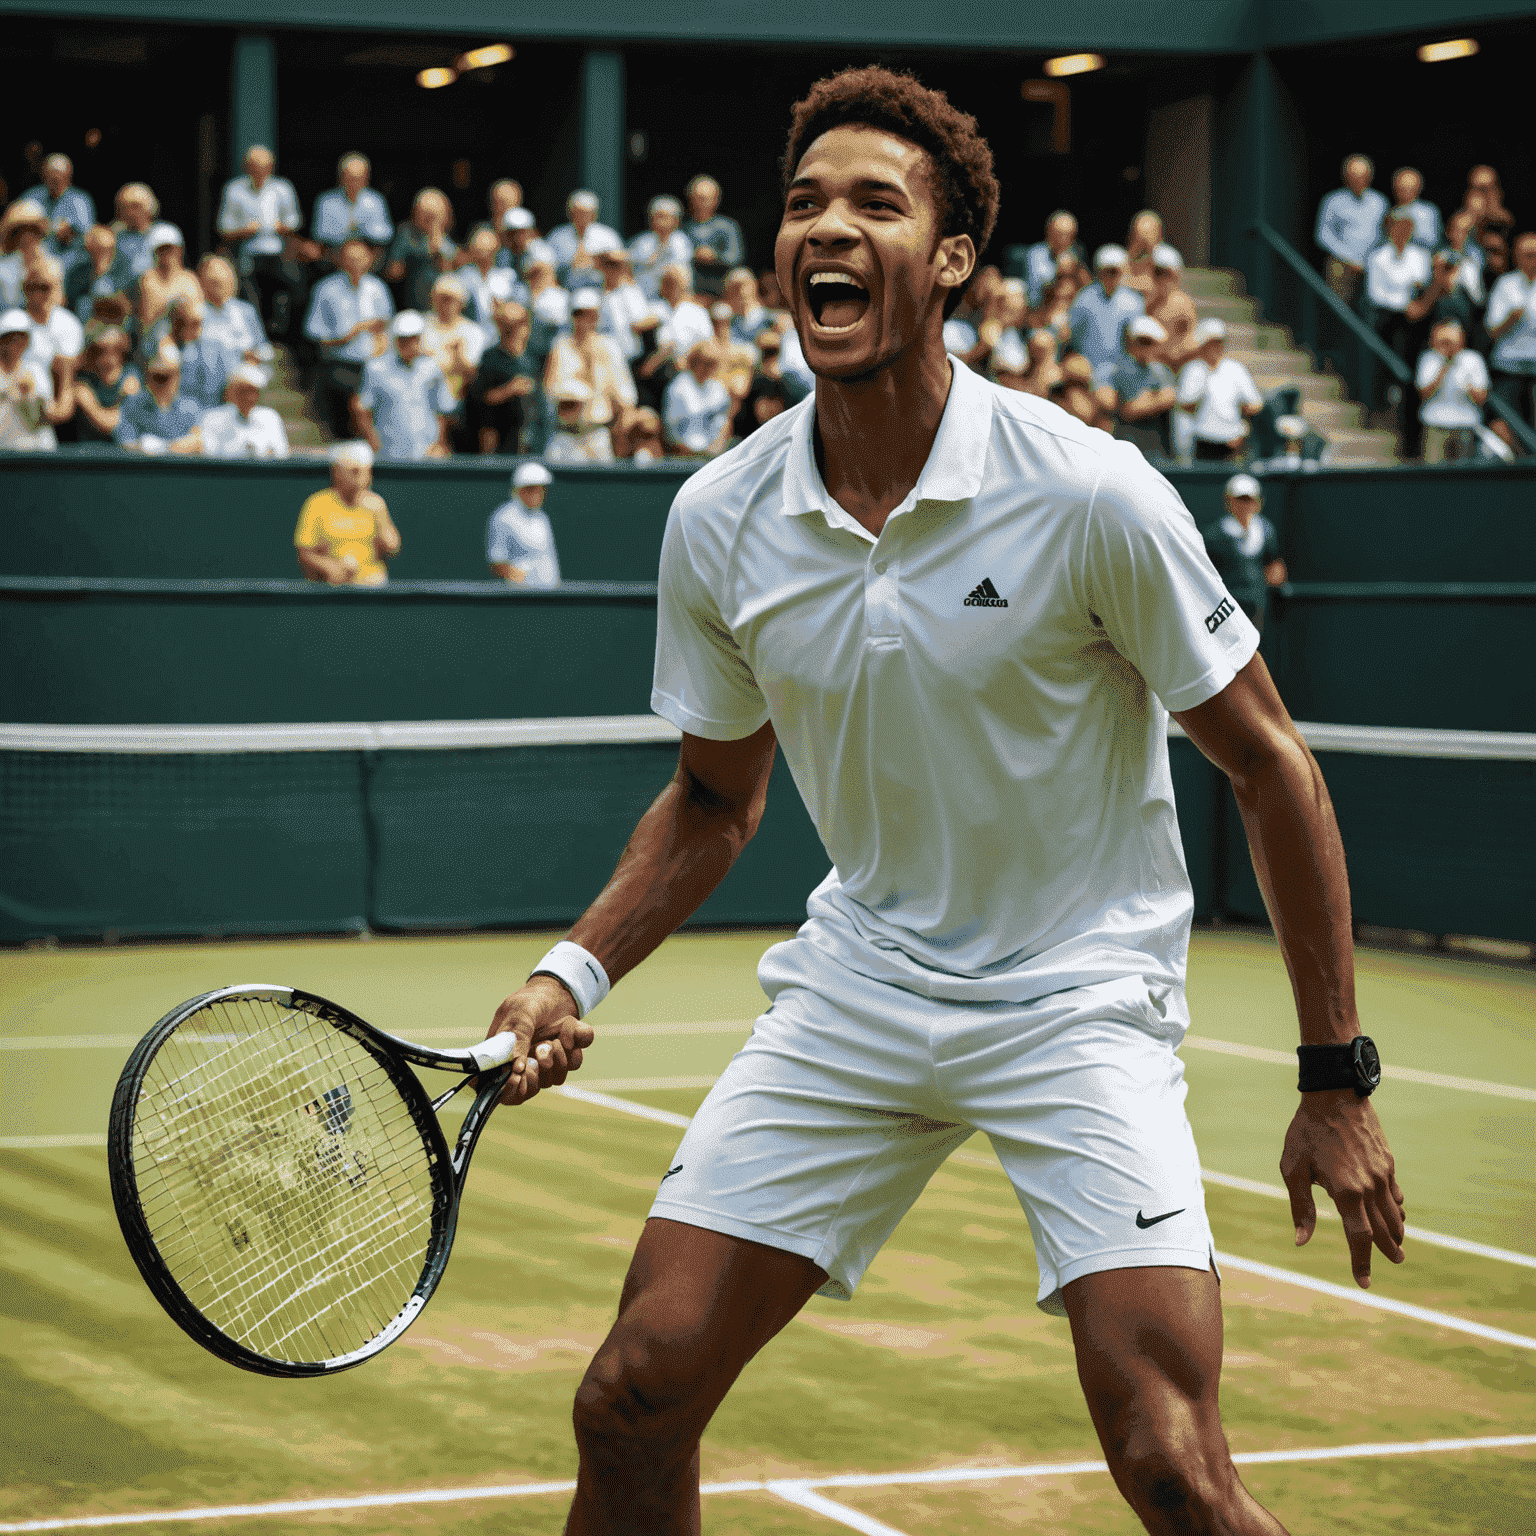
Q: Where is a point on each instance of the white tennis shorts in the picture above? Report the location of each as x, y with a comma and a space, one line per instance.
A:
851, 1092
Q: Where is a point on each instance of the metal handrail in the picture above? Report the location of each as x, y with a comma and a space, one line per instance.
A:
1341, 311
1317, 289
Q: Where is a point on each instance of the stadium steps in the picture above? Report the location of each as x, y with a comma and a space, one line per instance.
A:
1270, 354
286, 396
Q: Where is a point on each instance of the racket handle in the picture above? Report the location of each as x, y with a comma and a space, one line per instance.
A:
495, 1052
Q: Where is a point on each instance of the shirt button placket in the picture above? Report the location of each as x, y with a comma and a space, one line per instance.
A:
880, 587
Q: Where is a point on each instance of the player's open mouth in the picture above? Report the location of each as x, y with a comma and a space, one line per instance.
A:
838, 301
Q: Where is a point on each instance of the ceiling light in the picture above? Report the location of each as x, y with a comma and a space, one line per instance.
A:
484, 58
1074, 64
431, 79
1453, 48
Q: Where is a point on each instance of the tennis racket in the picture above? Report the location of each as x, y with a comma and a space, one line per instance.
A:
281, 1177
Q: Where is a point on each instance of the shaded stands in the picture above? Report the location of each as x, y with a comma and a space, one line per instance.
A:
125, 515
109, 824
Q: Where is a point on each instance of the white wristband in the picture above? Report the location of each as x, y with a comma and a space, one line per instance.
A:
582, 973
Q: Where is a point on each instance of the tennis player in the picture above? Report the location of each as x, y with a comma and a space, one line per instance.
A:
965, 617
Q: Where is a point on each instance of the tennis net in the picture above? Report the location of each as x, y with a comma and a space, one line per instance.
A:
227, 829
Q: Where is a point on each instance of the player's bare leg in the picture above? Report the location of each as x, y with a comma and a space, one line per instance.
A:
696, 1306
1149, 1358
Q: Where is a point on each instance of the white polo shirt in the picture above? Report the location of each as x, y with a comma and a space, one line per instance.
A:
1220, 393
229, 435
973, 705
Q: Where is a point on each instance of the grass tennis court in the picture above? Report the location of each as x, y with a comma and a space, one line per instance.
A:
940, 1363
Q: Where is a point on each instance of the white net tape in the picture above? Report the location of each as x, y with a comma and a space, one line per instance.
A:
283, 1179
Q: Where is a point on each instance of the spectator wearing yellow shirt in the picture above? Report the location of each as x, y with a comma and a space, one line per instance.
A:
345, 533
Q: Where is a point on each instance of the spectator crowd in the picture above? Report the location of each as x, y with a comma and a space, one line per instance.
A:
571, 344
1453, 298
579, 346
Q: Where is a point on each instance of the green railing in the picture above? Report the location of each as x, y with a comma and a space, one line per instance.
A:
1330, 330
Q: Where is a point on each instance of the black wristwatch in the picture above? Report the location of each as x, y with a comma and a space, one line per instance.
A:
1355, 1065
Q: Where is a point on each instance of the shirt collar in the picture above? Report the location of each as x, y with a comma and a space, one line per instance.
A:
953, 471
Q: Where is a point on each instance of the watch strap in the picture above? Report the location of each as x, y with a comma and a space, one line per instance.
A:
1353, 1064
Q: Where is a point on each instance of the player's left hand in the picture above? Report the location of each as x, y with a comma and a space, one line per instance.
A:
1335, 1140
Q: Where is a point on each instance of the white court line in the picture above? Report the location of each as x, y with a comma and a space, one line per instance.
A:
1381, 1303
941, 1475
802, 1494
1416, 1234
1401, 1074
741, 1026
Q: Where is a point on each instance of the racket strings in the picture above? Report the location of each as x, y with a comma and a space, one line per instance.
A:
283, 1178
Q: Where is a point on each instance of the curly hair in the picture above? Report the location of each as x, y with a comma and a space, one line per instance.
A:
965, 189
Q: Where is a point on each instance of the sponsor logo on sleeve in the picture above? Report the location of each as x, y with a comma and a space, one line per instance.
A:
1222, 612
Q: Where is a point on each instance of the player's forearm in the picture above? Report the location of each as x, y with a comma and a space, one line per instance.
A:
1298, 857
679, 852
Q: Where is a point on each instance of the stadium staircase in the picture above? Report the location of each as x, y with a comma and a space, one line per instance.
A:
1267, 351
286, 396
1272, 357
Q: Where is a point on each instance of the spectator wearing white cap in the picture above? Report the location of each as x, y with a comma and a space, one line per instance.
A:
1349, 226
572, 441
137, 208
663, 245
1041, 259
1218, 394
1142, 241
243, 428
696, 416
259, 214
1245, 549
519, 541
159, 418
716, 238
25, 392
421, 251
167, 278
345, 533
349, 315
351, 210
1452, 381
504, 400
1171, 307
70, 211
1142, 388
226, 317
521, 242
586, 355
404, 403
571, 244
1100, 312
505, 195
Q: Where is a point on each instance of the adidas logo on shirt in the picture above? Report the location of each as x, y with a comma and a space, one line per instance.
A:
986, 596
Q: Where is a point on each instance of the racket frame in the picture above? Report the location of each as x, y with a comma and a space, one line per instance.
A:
447, 1167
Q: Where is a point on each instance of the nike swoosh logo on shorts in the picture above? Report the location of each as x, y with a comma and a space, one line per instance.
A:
1151, 1221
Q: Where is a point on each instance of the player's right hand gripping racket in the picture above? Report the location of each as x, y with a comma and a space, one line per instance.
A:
281, 1177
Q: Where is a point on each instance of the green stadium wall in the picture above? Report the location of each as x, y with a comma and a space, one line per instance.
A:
121, 515
101, 652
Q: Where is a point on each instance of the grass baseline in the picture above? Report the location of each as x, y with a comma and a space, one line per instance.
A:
785, 1488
